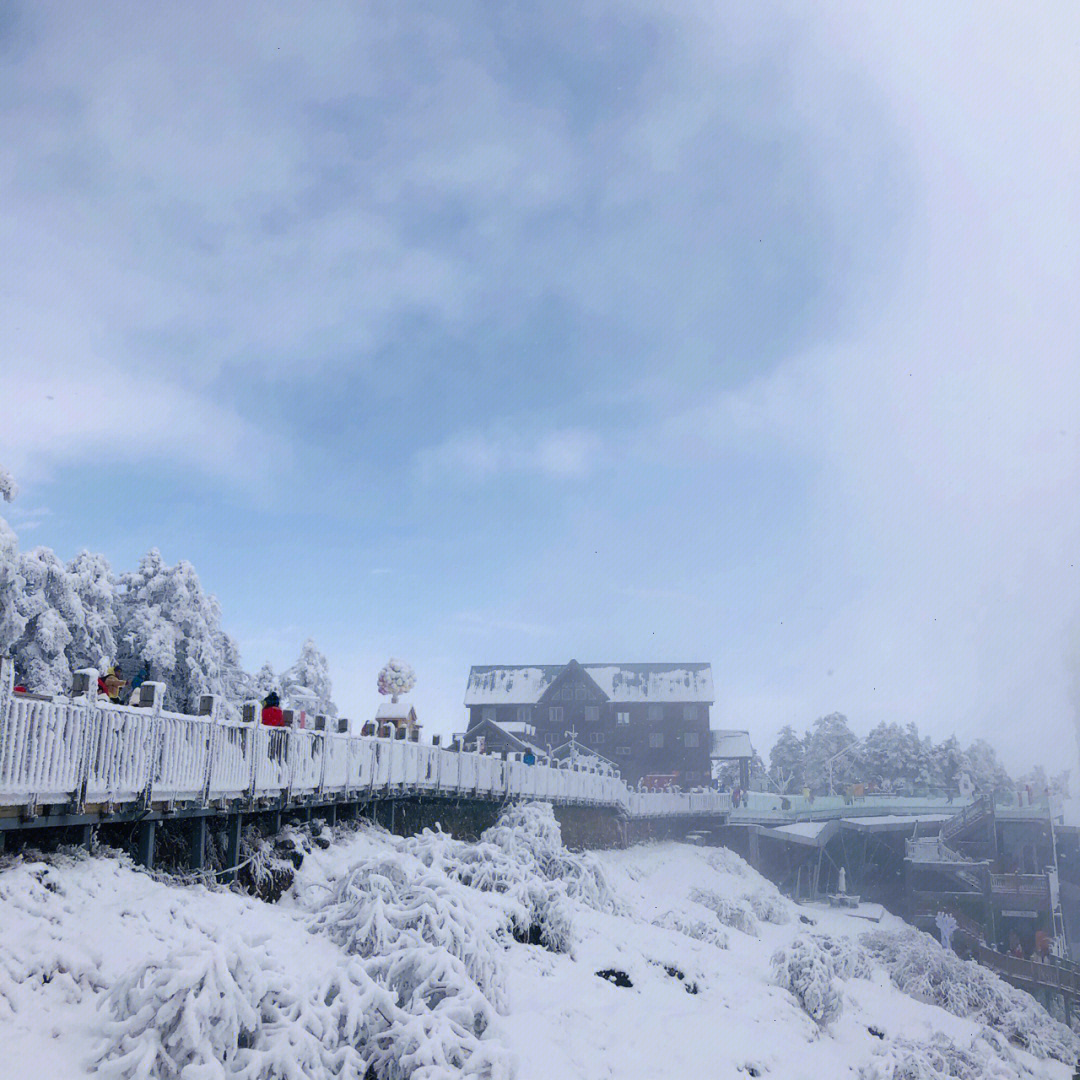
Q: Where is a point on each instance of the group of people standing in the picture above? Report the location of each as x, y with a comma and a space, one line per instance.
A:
112, 684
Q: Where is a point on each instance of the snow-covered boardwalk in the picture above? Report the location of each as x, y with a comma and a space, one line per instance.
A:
82, 754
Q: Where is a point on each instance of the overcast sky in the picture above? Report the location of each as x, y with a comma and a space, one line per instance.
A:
484, 333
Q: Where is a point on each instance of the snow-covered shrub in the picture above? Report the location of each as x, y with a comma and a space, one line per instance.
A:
390, 903
226, 1011
846, 959
267, 865
725, 861
769, 906
429, 1047
698, 929
805, 968
733, 913
529, 833
537, 911
919, 966
939, 1058
416, 934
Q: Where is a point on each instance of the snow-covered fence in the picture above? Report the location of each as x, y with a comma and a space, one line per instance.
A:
677, 803
88, 751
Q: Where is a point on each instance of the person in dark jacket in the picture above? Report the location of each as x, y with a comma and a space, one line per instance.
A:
272, 715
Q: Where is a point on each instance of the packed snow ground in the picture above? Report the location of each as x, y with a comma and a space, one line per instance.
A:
412, 956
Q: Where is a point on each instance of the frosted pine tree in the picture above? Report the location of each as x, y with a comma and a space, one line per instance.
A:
828, 737
8, 488
93, 627
48, 606
12, 586
169, 624
263, 681
311, 672
786, 760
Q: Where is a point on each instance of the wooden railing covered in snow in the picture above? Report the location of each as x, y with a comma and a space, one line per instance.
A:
87, 752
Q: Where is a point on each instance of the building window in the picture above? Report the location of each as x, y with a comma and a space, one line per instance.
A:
488, 713
592, 713
689, 714
622, 718
524, 714
622, 751
656, 739
568, 693
579, 693
656, 713
555, 714
691, 739
596, 737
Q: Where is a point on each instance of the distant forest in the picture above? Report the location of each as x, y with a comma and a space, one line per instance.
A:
892, 758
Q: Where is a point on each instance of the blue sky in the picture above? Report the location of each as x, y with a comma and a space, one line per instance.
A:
627, 331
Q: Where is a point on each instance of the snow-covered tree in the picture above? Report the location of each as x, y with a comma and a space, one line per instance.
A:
8, 488
786, 760
310, 672
830, 736
987, 772
48, 606
170, 625
12, 585
263, 681
396, 678
93, 627
948, 763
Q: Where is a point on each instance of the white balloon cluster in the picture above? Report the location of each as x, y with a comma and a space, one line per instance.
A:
396, 678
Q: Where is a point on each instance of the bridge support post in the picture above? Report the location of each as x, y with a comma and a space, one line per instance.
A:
755, 849
233, 824
144, 844
197, 851
1066, 1004
331, 814
86, 836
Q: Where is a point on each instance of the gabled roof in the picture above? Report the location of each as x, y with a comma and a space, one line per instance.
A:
567, 748
503, 684
570, 673
395, 710
730, 744
517, 740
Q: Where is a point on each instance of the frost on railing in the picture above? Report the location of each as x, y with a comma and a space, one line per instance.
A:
90, 751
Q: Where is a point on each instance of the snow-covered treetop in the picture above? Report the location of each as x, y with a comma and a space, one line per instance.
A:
396, 678
307, 683
8, 488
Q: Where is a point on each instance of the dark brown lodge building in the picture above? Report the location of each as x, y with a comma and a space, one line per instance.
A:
650, 719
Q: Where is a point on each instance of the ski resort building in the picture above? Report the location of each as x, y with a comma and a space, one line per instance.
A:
652, 720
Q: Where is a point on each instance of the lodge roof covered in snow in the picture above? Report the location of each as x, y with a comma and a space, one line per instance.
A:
522, 684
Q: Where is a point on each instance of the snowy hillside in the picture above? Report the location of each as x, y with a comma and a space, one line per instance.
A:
433, 958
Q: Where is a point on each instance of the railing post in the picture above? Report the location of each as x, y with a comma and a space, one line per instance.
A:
211, 747
7, 692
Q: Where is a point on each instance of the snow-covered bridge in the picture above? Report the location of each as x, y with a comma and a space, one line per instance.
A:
83, 761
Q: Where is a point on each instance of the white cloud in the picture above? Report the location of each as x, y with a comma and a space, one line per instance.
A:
566, 454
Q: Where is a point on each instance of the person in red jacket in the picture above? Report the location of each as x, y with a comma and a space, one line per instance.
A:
271, 710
